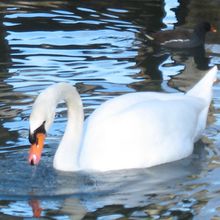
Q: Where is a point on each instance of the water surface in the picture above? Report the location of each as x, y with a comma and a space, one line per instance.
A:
100, 48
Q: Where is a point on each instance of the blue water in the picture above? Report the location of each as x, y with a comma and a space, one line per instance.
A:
100, 48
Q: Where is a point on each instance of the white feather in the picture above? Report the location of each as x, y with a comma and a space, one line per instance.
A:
130, 131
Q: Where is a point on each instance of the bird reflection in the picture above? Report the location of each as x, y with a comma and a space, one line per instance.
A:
36, 207
200, 58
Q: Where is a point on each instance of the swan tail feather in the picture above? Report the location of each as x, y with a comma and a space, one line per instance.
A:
203, 89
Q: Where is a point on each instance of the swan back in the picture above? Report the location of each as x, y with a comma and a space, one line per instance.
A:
146, 129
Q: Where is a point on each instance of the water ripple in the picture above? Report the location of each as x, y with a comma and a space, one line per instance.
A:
100, 48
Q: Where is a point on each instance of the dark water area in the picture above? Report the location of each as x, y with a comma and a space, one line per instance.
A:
101, 48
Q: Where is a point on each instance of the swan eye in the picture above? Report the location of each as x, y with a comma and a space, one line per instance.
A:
33, 136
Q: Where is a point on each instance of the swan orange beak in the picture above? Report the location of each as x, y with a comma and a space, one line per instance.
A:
36, 149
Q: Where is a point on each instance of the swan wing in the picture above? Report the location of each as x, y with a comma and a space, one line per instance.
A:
143, 133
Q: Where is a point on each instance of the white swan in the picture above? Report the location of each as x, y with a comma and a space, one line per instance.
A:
135, 130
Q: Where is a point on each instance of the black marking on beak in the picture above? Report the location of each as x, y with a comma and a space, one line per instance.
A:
33, 136
32, 162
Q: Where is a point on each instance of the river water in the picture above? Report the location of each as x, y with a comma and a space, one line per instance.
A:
99, 46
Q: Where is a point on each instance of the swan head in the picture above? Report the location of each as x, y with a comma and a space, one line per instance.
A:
43, 113
41, 118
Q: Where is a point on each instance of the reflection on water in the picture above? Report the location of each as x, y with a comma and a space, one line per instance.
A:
85, 194
100, 47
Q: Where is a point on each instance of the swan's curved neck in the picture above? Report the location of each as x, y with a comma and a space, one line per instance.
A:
66, 156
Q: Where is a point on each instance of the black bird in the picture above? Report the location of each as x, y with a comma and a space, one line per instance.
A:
182, 38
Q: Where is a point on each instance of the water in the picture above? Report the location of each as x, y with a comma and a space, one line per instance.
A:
99, 47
